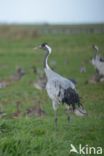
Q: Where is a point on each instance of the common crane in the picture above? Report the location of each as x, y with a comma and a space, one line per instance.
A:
60, 89
98, 61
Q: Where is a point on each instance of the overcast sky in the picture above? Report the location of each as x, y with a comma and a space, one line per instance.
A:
51, 11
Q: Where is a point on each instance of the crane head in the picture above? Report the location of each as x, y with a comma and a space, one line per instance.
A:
95, 47
43, 46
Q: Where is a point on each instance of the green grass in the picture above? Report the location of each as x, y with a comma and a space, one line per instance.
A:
36, 136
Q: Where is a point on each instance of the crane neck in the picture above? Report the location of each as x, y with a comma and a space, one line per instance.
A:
96, 50
48, 52
95, 53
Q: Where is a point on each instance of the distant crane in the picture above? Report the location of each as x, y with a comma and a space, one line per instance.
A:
60, 89
98, 61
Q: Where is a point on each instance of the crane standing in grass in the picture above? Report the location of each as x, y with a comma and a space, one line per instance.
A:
98, 61
60, 89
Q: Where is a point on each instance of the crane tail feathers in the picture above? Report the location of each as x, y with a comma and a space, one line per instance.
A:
80, 112
72, 98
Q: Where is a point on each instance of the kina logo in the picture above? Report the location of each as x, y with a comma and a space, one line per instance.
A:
86, 149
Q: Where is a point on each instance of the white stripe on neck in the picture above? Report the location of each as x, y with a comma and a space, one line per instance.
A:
48, 48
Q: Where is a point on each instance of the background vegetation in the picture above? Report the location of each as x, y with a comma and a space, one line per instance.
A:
30, 135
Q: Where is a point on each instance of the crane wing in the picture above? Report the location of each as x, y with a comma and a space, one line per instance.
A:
56, 88
58, 79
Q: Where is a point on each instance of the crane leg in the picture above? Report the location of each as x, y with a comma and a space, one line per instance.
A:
67, 112
55, 106
68, 118
55, 119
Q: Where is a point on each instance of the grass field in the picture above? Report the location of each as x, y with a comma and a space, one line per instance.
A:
36, 136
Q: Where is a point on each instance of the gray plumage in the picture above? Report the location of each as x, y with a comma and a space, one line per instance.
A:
60, 89
56, 87
98, 61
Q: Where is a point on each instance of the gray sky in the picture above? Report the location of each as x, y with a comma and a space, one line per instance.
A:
52, 11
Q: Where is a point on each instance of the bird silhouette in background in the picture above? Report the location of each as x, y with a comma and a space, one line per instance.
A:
98, 61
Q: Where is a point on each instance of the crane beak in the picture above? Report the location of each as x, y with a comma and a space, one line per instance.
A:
36, 48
